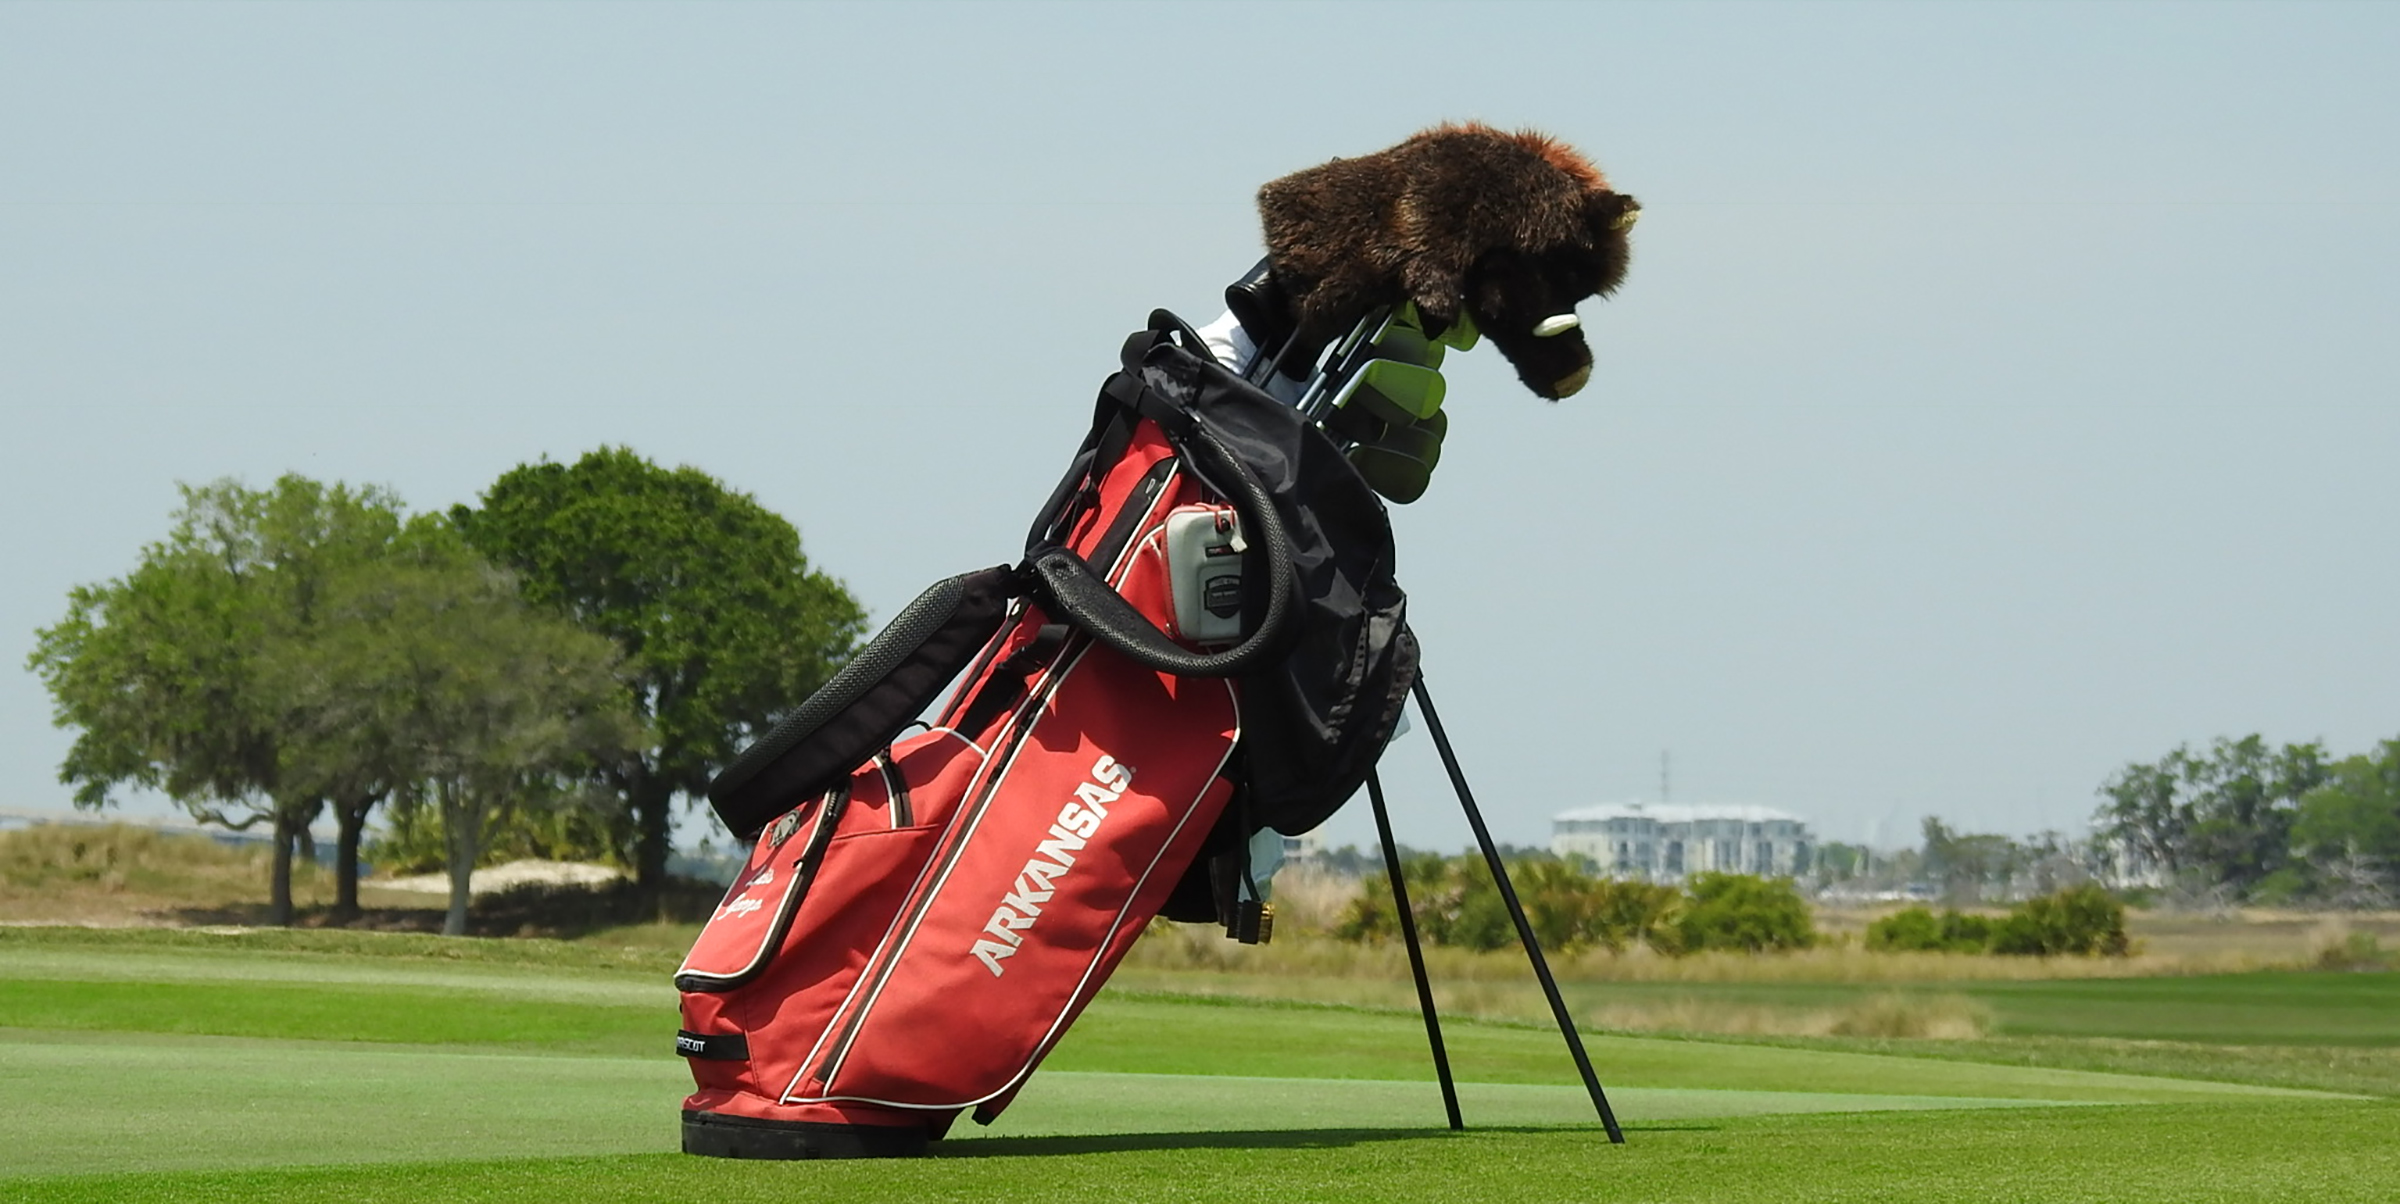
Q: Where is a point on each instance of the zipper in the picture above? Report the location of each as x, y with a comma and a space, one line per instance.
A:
804, 871
1138, 506
831, 1064
896, 787
991, 648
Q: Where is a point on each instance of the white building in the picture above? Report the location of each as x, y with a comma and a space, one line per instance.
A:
1667, 842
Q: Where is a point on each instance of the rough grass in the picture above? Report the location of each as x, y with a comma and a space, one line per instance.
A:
2182, 949
1837, 990
127, 873
635, 949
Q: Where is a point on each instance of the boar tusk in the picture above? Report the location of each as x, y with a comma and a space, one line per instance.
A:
1555, 325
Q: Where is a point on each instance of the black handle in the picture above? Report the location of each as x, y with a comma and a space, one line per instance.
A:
1080, 596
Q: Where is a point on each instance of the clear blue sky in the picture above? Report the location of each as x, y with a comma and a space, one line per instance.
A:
2000, 393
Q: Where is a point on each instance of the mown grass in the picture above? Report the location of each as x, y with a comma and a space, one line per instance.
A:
2261, 1007
2186, 1154
238, 1066
635, 950
2274, 1029
2294, 1007
1117, 1035
163, 1102
2351, 1070
348, 1012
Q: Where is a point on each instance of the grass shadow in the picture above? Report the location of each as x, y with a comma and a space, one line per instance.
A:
1247, 1139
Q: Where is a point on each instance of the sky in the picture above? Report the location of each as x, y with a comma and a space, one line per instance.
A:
2000, 394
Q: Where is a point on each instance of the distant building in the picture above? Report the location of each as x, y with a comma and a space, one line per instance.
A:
1668, 842
1308, 846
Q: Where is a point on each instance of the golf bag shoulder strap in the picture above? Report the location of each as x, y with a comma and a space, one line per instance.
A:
1323, 684
1075, 591
868, 703
1316, 718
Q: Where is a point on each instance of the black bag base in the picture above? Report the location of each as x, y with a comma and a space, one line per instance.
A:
712, 1135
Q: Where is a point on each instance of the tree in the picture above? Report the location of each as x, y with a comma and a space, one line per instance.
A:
2145, 812
724, 626
447, 684
2348, 828
1965, 864
167, 673
2223, 817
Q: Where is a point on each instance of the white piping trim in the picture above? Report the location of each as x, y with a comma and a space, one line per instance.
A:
959, 736
955, 851
874, 957
1017, 1077
1037, 695
777, 923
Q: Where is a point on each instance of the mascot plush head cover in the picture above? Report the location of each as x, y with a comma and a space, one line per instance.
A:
1514, 228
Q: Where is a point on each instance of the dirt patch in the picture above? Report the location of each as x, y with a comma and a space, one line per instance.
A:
493, 879
127, 876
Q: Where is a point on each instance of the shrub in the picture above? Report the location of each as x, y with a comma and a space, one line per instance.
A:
576, 826
1631, 911
1456, 902
1746, 912
1917, 929
1571, 911
1937, 1017
2355, 951
1371, 918
2081, 920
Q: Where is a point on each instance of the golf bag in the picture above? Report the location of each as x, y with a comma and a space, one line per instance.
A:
1203, 641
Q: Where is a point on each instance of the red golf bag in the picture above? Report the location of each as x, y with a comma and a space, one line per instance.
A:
1203, 640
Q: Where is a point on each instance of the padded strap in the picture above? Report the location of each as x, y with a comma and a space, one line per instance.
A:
1082, 598
875, 696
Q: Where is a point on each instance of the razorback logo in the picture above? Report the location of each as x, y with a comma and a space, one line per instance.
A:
1077, 822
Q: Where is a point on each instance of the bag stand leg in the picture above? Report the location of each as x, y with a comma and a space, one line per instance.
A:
1416, 952
1516, 912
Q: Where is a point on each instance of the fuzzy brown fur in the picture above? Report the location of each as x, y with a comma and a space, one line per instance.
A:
1514, 227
